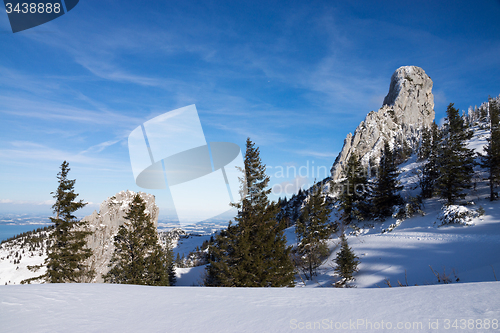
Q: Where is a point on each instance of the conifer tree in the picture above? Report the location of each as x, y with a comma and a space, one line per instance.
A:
138, 257
430, 171
403, 152
386, 187
222, 259
491, 160
355, 190
347, 262
170, 264
253, 252
425, 147
456, 161
312, 230
68, 252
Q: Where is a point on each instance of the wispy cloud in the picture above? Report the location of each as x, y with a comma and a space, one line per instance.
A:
27, 202
99, 147
107, 71
21, 106
32, 151
318, 154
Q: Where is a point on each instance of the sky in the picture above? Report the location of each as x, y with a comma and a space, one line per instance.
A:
294, 76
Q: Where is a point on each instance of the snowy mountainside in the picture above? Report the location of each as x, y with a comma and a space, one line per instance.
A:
16, 255
459, 243
407, 109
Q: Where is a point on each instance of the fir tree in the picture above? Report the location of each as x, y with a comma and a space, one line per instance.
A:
491, 160
222, 259
170, 264
386, 187
425, 147
355, 191
138, 257
68, 252
253, 252
347, 262
483, 115
430, 171
403, 152
456, 161
312, 230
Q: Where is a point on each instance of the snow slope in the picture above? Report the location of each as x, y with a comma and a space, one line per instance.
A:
127, 308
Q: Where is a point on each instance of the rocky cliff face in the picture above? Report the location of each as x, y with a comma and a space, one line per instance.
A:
407, 108
104, 226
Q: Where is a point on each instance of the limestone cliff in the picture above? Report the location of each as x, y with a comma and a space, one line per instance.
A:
407, 108
104, 226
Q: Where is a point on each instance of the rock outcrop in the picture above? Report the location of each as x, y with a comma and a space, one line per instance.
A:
407, 108
104, 226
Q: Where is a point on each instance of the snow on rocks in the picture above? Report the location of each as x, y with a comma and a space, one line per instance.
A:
456, 214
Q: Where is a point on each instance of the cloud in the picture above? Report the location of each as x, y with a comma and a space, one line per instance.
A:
14, 80
27, 202
108, 71
318, 154
100, 147
49, 110
33, 151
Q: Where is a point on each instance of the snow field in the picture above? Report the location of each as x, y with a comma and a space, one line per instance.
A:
128, 308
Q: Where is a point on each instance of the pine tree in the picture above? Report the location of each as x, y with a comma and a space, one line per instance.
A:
430, 171
355, 190
403, 152
491, 160
68, 252
253, 252
386, 187
138, 257
425, 147
222, 259
312, 230
347, 262
456, 161
170, 264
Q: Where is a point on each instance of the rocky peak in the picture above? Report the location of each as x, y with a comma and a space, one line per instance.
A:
104, 226
410, 96
407, 108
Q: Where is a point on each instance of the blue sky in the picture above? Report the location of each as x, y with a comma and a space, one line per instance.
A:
294, 76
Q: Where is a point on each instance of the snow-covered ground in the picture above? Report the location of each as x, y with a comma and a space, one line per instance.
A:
469, 253
127, 308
